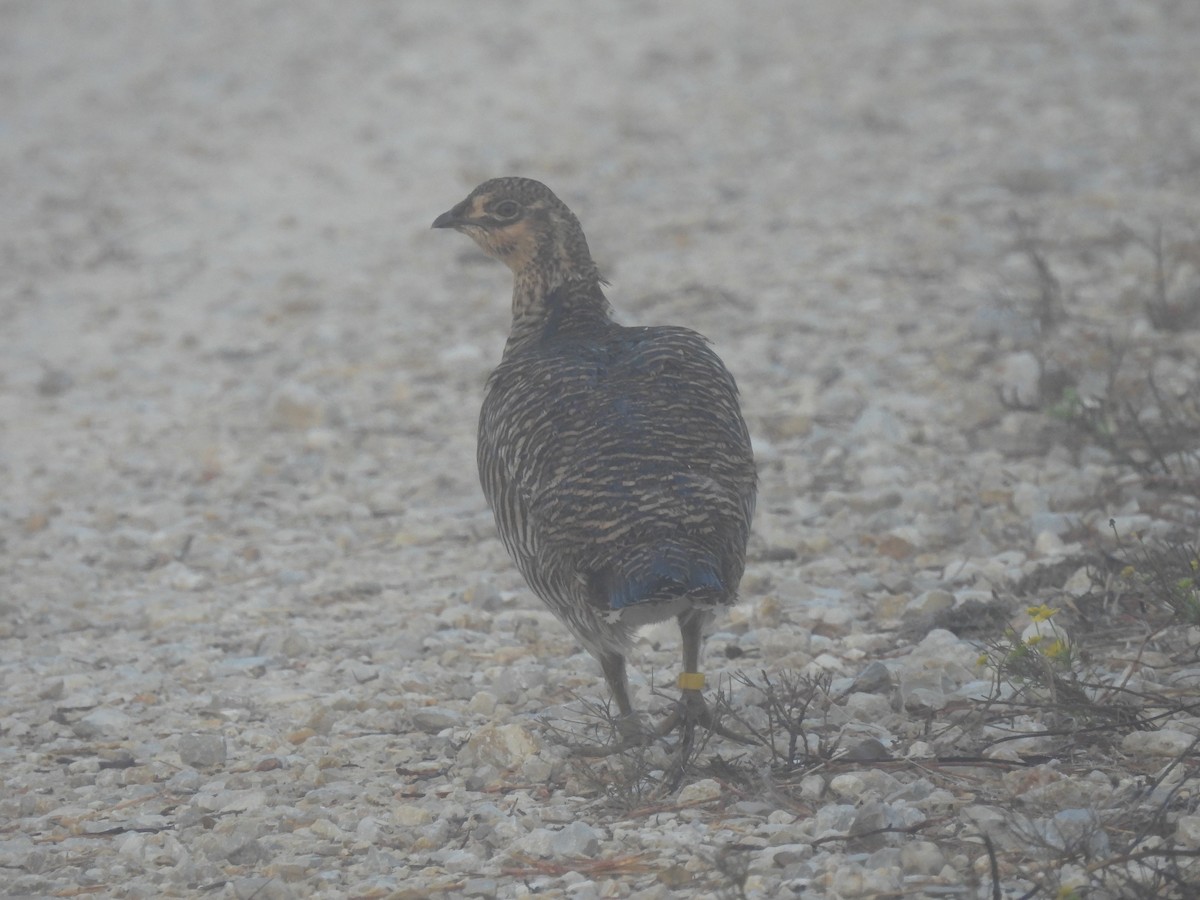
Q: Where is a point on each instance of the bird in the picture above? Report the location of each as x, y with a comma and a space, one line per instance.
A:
615, 459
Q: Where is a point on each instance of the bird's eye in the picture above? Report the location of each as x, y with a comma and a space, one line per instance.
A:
506, 209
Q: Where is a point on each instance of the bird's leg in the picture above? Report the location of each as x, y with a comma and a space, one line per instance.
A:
629, 725
613, 665
691, 709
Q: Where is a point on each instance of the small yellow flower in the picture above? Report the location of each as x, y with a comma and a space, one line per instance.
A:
1041, 613
1058, 650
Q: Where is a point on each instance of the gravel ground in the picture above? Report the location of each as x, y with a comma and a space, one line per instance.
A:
259, 638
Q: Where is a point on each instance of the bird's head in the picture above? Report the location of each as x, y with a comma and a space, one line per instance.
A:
522, 223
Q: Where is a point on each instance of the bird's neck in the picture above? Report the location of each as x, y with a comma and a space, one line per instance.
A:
545, 308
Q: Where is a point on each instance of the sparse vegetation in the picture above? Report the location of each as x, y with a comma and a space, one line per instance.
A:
1089, 815
1137, 397
1085, 727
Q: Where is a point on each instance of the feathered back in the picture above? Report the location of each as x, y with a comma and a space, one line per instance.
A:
619, 454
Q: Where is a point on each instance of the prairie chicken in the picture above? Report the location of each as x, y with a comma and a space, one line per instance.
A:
615, 459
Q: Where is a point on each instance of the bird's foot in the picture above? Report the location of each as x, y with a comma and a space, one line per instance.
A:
692, 710
630, 731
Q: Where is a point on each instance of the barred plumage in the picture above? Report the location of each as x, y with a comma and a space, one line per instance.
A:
615, 459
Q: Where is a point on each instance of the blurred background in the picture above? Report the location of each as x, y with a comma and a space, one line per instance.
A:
239, 375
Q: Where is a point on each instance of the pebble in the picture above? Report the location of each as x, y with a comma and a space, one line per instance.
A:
1075, 828
575, 840
929, 603
873, 679
1048, 543
868, 707
104, 723
1167, 742
848, 786
296, 406
202, 751
184, 578
703, 791
1020, 377
812, 787
482, 703
833, 819
410, 815
504, 746
1187, 832
921, 858
433, 719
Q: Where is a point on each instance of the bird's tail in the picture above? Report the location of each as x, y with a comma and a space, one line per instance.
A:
661, 580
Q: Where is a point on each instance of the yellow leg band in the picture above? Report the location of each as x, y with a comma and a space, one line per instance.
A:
691, 681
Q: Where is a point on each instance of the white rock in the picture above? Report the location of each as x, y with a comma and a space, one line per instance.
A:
1055, 523
921, 858
367, 829
847, 785
583, 890
183, 578
987, 819
812, 787
482, 703
1049, 544
868, 707
432, 719
879, 425
133, 845
321, 438
104, 722
1043, 636
922, 699
1076, 828
1164, 742
875, 678
503, 746
788, 854
836, 818
535, 769
410, 815
703, 791
1187, 832
459, 859
1080, 582
930, 602
827, 662
1020, 377
1028, 499
327, 506
241, 801
577, 839
202, 751
296, 405
326, 829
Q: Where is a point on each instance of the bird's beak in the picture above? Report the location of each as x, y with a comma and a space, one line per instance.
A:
452, 218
